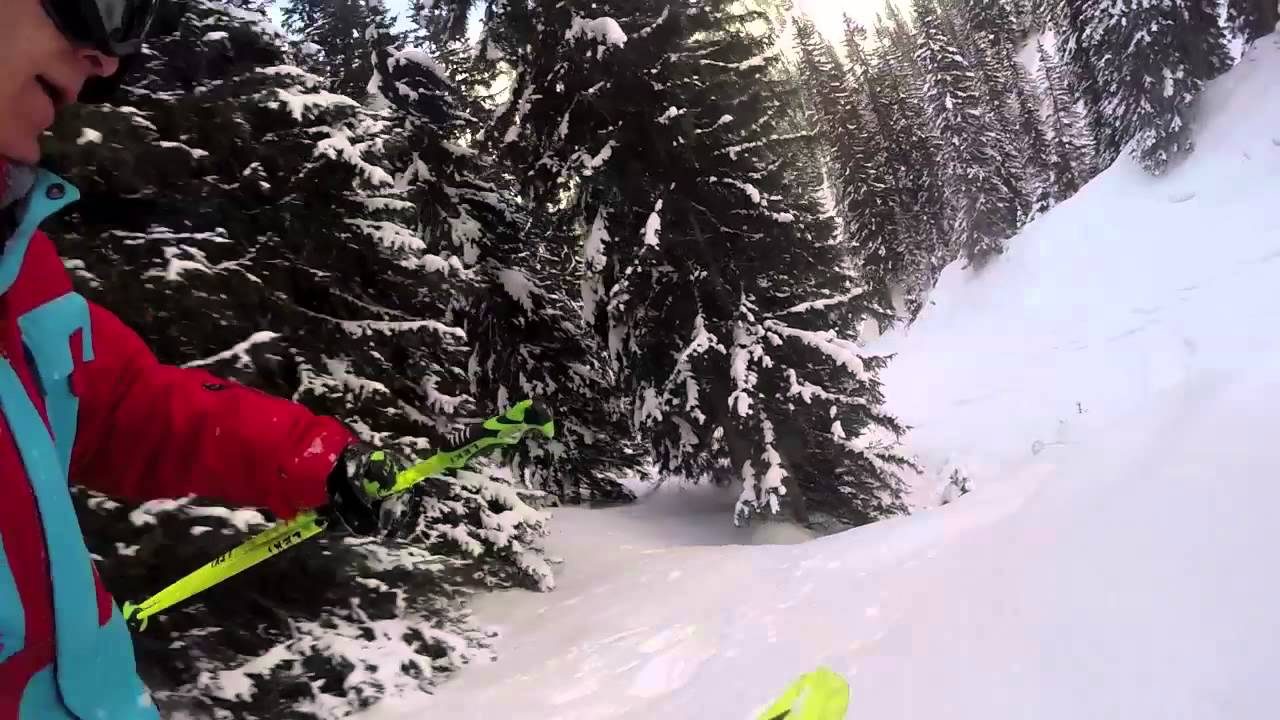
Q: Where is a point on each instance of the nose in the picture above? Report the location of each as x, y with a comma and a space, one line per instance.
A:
97, 62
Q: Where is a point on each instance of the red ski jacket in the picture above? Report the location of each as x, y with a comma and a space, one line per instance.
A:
83, 401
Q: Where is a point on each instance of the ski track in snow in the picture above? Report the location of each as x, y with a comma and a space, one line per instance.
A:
1111, 385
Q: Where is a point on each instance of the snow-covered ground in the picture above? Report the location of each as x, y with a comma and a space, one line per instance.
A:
1112, 387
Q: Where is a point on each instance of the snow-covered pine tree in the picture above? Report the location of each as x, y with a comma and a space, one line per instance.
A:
1042, 184
1043, 14
1253, 18
994, 33
863, 190
1205, 42
665, 131
1150, 60
440, 27
244, 217
1023, 14
528, 336
886, 78
1083, 56
1072, 156
983, 206
532, 338
334, 43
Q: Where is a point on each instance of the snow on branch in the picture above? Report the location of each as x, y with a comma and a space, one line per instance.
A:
518, 286
439, 401
136, 117
593, 262
196, 153
386, 203
392, 236
762, 493
593, 163
340, 370
371, 307
517, 120
724, 120
772, 481
420, 58
649, 408
735, 150
159, 232
750, 190
338, 147
808, 391
757, 61
821, 304
746, 348
362, 328
828, 343
670, 114
306, 104
505, 528
259, 21
701, 341
465, 231
604, 30
294, 73
648, 29
239, 351
653, 226
178, 265
432, 263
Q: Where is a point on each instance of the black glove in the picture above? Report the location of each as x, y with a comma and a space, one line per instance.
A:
353, 502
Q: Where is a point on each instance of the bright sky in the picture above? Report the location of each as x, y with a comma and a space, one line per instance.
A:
827, 14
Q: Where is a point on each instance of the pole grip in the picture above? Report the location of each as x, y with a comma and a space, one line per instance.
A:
506, 429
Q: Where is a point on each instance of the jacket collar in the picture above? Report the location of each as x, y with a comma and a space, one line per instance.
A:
15, 182
29, 197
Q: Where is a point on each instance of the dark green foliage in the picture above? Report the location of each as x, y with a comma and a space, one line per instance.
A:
334, 37
854, 158
1014, 100
1253, 18
1072, 157
982, 197
1140, 65
889, 80
1082, 56
527, 335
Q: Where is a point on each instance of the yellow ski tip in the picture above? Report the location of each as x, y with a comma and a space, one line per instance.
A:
819, 695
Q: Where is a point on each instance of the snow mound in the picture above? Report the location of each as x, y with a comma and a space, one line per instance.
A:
602, 29
1110, 387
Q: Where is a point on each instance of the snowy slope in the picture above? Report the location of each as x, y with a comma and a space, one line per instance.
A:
1120, 295
1112, 385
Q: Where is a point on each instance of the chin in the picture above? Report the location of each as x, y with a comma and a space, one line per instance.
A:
25, 152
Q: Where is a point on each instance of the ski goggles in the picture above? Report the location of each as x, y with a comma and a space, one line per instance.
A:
115, 27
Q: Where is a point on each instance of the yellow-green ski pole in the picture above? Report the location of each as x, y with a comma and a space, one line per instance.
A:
506, 429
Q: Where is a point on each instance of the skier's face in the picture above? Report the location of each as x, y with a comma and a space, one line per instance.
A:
40, 72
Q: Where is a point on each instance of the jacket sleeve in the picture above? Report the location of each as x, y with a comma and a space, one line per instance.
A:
148, 430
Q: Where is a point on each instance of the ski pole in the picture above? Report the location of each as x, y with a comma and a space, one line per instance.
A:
506, 429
